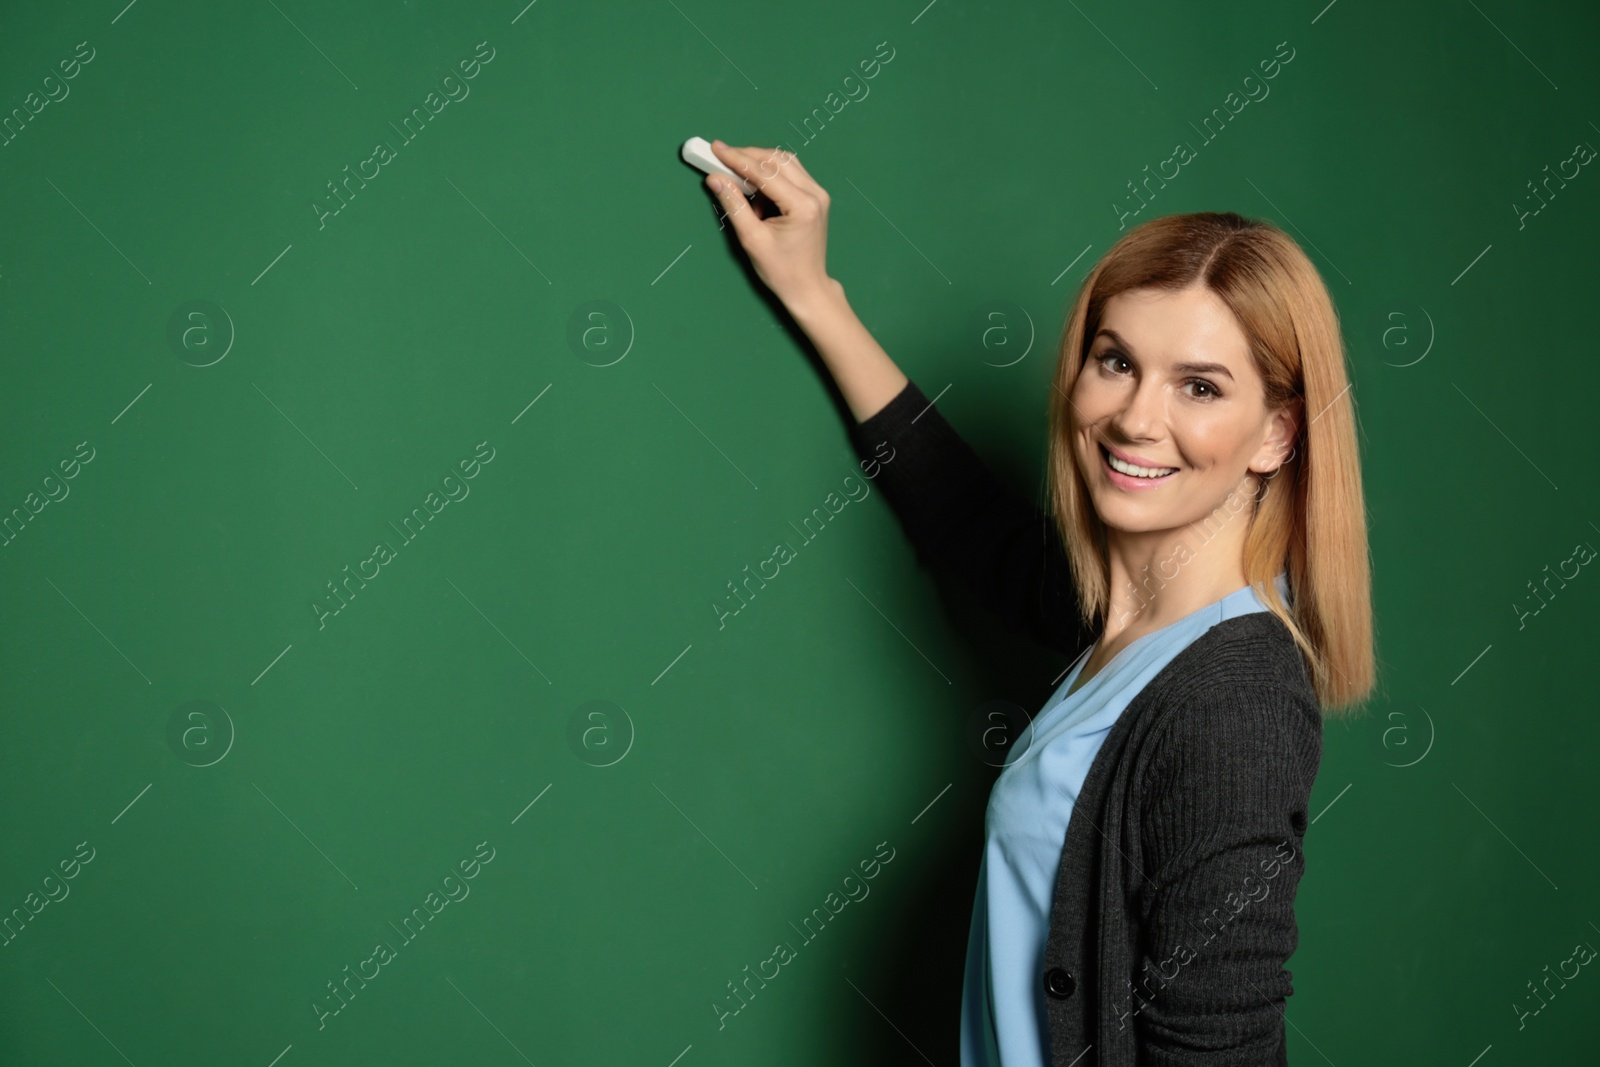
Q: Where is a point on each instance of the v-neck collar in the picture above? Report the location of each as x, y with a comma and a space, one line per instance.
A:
1078, 682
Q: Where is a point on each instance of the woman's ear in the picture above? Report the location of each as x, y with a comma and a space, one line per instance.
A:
1279, 447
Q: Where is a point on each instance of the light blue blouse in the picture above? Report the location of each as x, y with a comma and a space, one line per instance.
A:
1025, 829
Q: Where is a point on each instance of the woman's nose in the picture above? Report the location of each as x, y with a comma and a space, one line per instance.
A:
1141, 410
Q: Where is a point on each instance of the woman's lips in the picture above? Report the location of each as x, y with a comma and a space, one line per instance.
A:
1128, 481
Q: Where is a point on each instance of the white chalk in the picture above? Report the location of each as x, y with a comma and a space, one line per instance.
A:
697, 153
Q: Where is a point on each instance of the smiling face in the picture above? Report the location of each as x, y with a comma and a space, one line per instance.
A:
1170, 387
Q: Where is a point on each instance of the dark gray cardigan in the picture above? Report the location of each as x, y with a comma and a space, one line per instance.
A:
1173, 913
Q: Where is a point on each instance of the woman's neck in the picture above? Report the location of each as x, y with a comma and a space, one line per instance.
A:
1159, 577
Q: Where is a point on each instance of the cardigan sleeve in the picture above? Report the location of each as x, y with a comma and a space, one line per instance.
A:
962, 521
1222, 836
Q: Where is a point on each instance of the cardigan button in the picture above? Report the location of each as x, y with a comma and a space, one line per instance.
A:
1059, 983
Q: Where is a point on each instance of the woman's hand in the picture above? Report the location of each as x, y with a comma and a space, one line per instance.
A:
789, 249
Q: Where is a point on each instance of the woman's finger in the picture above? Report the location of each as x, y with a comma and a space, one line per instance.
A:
797, 173
736, 208
762, 168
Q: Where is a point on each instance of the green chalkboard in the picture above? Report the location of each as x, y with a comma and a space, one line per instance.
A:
386, 417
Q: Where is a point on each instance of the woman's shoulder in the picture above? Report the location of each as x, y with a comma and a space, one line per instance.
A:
1248, 651
1243, 683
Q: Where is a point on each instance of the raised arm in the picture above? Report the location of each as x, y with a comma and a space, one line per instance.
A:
958, 516
962, 520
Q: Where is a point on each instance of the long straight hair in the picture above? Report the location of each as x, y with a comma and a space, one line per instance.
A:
1312, 522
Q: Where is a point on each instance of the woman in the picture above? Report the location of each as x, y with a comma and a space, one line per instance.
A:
1208, 552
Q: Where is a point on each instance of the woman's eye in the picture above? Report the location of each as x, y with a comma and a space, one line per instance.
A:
1106, 360
1104, 356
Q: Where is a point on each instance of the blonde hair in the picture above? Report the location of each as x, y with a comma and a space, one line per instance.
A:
1312, 522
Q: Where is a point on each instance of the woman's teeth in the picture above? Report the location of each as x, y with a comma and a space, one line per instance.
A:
1134, 472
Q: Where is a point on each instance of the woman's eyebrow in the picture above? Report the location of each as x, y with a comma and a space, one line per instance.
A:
1181, 368
1203, 368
